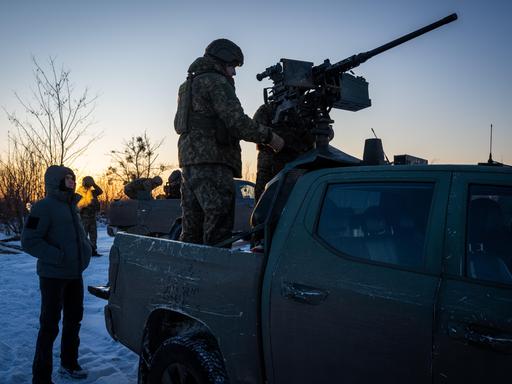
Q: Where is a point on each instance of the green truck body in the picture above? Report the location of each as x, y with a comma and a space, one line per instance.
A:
398, 274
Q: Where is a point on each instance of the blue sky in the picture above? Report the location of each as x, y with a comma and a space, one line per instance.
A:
433, 97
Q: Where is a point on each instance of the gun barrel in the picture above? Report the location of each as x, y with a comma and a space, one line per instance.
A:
355, 60
413, 35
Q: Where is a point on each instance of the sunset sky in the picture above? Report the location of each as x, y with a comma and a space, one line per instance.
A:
433, 97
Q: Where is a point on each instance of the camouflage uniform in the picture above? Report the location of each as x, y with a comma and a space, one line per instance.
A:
140, 189
89, 207
297, 139
208, 203
209, 152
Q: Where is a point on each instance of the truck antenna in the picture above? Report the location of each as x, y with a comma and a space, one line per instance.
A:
490, 161
385, 156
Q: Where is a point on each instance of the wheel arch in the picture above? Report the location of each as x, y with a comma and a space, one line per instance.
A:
163, 324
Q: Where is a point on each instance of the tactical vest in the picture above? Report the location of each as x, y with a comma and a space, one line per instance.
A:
183, 117
184, 105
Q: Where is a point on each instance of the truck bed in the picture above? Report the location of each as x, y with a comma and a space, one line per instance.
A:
216, 287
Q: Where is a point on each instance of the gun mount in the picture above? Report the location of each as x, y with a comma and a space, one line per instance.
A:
310, 92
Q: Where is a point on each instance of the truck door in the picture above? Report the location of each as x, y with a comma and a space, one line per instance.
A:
352, 278
473, 340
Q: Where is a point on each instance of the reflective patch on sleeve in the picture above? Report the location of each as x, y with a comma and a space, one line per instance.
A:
32, 222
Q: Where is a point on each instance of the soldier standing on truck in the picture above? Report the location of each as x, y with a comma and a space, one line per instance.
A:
140, 189
298, 140
211, 123
89, 207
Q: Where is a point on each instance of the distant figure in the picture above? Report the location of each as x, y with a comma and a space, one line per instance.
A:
140, 189
89, 207
53, 233
173, 187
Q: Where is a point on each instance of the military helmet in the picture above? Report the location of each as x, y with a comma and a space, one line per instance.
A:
156, 181
226, 51
175, 176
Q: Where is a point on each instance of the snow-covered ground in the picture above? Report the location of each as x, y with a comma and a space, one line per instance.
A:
108, 362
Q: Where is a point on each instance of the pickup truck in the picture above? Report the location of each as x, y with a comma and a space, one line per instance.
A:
367, 274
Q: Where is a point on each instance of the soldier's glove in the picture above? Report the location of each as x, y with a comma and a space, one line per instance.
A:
276, 142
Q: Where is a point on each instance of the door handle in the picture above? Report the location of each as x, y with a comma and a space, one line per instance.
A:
487, 339
303, 293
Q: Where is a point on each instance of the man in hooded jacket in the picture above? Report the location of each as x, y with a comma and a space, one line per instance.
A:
53, 233
211, 122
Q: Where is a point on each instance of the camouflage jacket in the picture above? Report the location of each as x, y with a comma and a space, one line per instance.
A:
217, 121
297, 138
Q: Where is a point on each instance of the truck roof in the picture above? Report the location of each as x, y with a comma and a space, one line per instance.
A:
424, 168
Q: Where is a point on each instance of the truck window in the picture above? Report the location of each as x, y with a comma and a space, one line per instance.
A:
384, 222
489, 233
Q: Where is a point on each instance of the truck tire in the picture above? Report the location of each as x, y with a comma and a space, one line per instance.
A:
186, 360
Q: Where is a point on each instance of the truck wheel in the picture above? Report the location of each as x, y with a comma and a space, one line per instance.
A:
183, 360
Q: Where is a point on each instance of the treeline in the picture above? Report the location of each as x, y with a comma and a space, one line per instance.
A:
55, 128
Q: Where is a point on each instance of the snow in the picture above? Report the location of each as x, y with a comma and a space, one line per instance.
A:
107, 361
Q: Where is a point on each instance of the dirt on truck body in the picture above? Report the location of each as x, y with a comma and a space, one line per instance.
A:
184, 288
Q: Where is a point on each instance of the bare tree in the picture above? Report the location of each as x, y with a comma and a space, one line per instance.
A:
249, 173
57, 122
21, 183
137, 159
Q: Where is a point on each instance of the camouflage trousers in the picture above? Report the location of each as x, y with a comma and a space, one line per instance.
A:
208, 203
268, 166
89, 223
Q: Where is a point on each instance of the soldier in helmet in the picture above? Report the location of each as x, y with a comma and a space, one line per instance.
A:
211, 123
173, 187
140, 189
89, 207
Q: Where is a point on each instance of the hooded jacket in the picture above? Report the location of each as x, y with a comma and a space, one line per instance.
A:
53, 232
215, 108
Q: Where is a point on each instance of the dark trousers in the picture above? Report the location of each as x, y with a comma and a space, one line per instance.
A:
66, 295
90, 227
